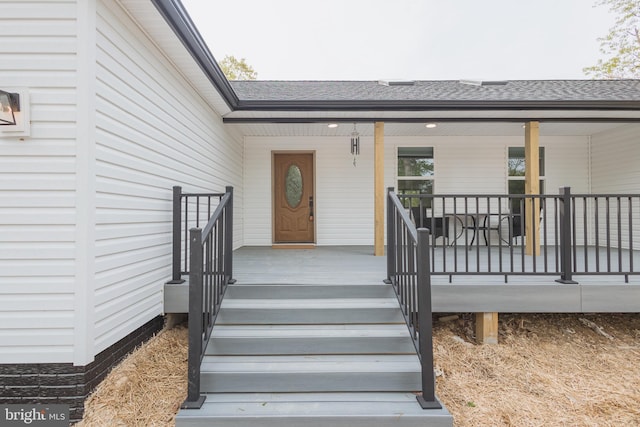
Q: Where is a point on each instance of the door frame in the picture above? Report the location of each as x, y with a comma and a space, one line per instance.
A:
274, 153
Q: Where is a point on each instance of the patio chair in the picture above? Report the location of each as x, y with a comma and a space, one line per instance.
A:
438, 226
519, 224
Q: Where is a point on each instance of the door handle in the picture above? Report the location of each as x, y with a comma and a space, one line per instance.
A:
310, 208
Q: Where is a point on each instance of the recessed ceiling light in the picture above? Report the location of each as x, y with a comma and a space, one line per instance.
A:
430, 125
333, 125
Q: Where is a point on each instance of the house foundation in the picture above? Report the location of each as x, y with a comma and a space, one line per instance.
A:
64, 383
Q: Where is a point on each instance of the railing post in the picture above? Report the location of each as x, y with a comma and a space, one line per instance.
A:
176, 276
425, 328
194, 399
565, 237
391, 237
228, 236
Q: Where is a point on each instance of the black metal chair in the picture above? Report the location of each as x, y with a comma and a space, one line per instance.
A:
518, 222
438, 226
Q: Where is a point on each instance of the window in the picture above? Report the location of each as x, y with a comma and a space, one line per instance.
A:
515, 178
415, 171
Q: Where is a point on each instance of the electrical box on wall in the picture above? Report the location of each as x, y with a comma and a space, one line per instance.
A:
14, 112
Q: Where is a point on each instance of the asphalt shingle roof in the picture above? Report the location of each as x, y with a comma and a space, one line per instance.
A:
442, 90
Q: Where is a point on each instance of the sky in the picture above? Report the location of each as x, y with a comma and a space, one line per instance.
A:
405, 39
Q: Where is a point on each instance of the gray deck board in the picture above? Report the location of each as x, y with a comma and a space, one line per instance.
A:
314, 410
339, 265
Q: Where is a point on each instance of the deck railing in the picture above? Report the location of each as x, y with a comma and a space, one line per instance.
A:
495, 234
189, 210
210, 271
411, 281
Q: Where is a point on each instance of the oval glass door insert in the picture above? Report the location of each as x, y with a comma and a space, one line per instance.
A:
293, 184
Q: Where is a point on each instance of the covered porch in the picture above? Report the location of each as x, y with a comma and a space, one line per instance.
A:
333, 265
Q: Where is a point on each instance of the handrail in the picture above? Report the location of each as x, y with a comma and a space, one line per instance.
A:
496, 234
183, 220
409, 274
210, 271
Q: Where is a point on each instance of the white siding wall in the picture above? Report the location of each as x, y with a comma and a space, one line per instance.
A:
615, 164
37, 185
475, 165
153, 132
615, 160
344, 193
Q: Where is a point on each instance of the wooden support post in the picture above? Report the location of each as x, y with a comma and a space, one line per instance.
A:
532, 186
378, 189
487, 328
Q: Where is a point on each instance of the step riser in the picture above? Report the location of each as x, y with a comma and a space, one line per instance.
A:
309, 291
301, 420
308, 382
230, 316
283, 346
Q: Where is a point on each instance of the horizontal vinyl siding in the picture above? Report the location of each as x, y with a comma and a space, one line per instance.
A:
153, 132
615, 165
344, 193
615, 156
37, 184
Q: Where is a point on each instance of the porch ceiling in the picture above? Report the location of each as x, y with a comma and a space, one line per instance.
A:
418, 129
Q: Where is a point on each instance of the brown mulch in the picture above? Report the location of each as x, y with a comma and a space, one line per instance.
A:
549, 369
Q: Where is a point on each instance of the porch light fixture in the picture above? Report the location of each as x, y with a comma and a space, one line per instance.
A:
355, 143
430, 125
9, 104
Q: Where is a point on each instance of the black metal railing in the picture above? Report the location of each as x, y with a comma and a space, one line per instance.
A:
189, 210
516, 235
411, 280
210, 271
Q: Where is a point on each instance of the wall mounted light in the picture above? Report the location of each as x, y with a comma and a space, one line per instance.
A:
355, 143
430, 125
9, 104
332, 125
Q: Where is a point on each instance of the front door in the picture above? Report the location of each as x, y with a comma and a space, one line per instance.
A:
293, 212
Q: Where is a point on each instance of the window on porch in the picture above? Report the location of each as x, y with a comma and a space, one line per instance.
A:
415, 172
515, 175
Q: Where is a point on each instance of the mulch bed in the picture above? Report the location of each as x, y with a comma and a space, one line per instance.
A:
549, 369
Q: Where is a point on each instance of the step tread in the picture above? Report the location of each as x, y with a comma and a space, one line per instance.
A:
309, 331
311, 303
311, 364
318, 409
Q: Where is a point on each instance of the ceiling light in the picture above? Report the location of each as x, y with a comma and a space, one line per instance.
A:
430, 125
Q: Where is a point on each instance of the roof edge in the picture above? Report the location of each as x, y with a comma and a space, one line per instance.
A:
179, 20
418, 105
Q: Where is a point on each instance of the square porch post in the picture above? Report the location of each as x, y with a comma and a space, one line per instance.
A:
532, 186
378, 188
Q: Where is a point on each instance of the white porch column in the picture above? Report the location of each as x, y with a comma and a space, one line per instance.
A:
378, 188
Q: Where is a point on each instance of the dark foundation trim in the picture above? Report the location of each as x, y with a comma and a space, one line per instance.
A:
64, 383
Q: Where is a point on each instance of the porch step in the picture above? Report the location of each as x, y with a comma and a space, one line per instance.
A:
313, 410
274, 291
310, 339
310, 373
309, 311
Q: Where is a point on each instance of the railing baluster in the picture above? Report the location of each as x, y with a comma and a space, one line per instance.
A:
595, 229
208, 279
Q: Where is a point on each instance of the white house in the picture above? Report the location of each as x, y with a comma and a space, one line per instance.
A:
122, 100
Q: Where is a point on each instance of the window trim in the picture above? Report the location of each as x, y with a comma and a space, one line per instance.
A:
399, 177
